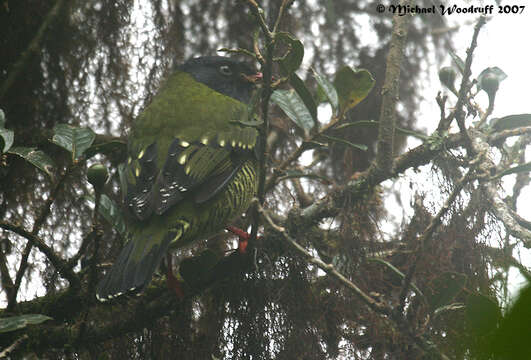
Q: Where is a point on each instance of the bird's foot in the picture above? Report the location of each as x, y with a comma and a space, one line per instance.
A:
243, 237
171, 281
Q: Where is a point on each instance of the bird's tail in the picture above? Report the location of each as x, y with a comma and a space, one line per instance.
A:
137, 262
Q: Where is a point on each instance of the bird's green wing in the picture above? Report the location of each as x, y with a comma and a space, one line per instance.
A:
181, 148
200, 168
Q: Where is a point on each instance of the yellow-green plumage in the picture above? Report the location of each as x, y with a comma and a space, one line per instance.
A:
191, 169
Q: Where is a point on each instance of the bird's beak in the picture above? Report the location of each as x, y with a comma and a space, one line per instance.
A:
253, 78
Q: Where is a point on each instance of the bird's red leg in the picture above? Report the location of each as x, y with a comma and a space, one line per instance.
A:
171, 280
243, 238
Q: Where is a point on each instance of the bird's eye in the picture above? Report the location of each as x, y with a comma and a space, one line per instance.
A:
225, 70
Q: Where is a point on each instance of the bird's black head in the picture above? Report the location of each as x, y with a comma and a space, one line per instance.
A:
224, 75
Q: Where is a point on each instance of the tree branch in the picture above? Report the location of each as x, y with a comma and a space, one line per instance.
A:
11, 348
386, 128
356, 189
61, 265
465, 88
500, 208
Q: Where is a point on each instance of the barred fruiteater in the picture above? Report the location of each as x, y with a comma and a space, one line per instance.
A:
191, 166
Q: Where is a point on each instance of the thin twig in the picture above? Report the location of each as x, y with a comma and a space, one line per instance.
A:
465, 87
484, 115
445, 120
283, 6
256, 48
259, 16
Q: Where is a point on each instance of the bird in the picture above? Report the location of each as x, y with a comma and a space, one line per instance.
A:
191, 166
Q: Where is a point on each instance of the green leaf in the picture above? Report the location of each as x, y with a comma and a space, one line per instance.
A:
304, 94
458, 61
74, 139
444, 288
352, 87
35, 157
13, 323
291, 103
395, 270
361, 147
6, 139
514, 170
110, 212
293, 59
511, 122
328, 89
482, 314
